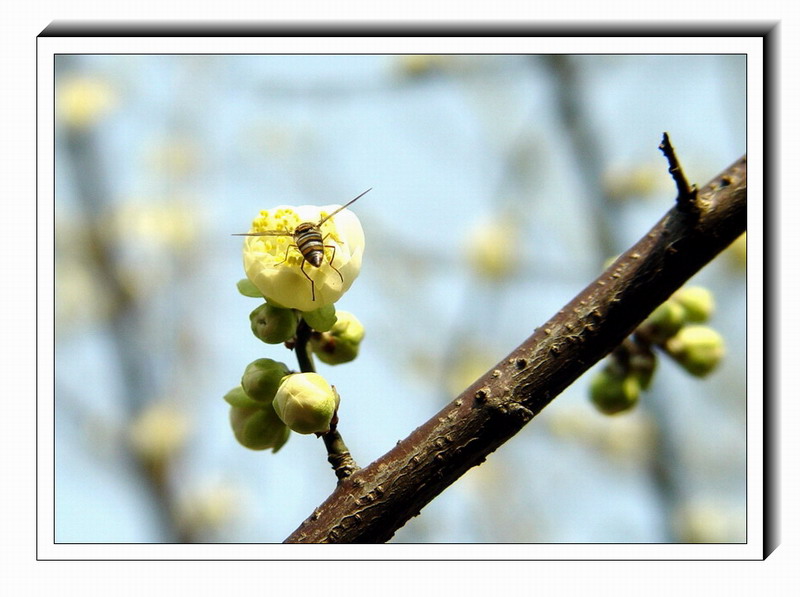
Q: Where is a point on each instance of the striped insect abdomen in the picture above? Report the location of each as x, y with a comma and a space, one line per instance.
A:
308, 239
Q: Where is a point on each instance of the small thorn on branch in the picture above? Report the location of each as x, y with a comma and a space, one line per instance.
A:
687, 194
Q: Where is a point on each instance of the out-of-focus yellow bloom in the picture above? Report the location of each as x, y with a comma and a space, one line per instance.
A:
738, 252
623, 183
704, 521
159, 432
151, 239
493, 249
273, 263
209, 508
81, 101
173, 224
80, 298
175, 157
419, 65
471, 362
629, 439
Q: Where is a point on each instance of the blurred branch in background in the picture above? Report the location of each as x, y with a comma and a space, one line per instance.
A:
98, 234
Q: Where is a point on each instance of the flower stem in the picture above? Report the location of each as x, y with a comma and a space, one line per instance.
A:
338, 453
304, 359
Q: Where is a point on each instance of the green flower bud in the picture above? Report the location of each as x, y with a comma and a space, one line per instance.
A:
272, 324
306, 403
698, 302
612, 393
261, 379
697, 348
255, 427
664, 322
322, 319
341, 344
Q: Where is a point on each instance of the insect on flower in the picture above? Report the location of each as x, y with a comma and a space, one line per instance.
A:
309, 242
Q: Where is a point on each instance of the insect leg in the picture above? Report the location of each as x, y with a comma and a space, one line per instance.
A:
333, 256
285, 257
303, 269
330, 262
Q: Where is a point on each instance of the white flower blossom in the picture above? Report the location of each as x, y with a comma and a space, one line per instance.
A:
274, 264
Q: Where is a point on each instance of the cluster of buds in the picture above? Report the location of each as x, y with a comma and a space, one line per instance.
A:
271, 401
255, 423
675, 328
298, 294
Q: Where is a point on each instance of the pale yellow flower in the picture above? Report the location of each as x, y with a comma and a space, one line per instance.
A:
81, 100
493, 249
276, 267
159, 432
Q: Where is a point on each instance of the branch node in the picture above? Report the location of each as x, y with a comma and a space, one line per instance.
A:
339, 456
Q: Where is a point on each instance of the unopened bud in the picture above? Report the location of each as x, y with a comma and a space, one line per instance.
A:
664, 322
306, 403
271, 324
697, 302
697, 348
262, 377
341, 343
612, 393
255, 427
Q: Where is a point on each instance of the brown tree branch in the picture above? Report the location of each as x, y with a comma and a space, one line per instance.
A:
371, 504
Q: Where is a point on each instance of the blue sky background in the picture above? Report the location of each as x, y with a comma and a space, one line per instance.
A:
188, 149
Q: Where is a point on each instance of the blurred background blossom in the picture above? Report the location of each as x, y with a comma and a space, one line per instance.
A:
500, 186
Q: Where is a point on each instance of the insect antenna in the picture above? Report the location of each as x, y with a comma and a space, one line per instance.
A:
320, 223
348, 204
267, 233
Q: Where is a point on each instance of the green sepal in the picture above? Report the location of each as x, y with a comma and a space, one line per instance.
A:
258, 428
322, 319
247, 288
238, 397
